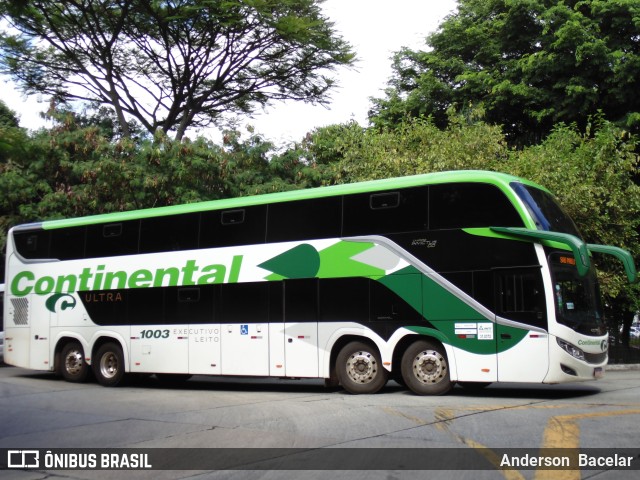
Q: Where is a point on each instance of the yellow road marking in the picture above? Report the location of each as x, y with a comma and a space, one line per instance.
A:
563, 431
398, 413
446, 416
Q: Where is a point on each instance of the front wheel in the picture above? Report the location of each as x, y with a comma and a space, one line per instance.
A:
425, 368
108, 365
359, 368
72, 366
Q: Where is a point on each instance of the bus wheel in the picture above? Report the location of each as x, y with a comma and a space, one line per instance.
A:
359, 368
108, 365
73, 367
425, 369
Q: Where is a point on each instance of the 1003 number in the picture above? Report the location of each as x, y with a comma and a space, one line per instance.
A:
154, 334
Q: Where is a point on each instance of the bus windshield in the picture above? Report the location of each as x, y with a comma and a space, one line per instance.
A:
577, 299
544, 210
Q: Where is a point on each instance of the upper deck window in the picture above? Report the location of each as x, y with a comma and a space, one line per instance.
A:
470, 205
544, 210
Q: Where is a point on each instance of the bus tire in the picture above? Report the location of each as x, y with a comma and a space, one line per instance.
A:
425, 368
108, 364
359, 368
72, 366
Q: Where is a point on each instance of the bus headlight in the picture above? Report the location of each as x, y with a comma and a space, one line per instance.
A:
571, 349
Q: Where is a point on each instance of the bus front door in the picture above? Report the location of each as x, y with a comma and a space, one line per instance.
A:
523, 344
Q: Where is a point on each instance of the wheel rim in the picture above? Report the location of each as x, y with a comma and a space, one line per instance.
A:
362, 367
109, 365
429, 366
73, 362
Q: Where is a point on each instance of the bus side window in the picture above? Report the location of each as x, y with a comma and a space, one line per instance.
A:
244, 303
171, 233
301, 300
112, 239
466, 205
190, 304
68, 243
344, 299
397, 211
304, 219
32, 245
521, 296
223, 228
387, 306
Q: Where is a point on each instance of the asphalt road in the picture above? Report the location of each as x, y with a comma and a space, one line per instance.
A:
39, 410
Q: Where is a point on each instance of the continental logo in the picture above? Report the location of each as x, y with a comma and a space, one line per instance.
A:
60, 302
593, 343
99, 278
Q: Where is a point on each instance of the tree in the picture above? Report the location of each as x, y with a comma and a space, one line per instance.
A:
172, 64
530, 64
11, 135
413, 146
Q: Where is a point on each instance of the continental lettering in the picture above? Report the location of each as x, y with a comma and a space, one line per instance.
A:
589, 342
99, 278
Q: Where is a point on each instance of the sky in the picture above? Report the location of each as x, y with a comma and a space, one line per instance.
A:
375, 29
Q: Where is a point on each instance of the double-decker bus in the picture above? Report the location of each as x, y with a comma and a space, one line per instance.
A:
470, 277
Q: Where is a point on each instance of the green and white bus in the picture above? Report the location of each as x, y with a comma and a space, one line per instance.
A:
470, 277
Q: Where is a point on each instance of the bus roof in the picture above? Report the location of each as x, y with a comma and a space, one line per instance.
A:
479, 176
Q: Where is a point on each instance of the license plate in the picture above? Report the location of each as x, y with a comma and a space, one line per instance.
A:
598, 372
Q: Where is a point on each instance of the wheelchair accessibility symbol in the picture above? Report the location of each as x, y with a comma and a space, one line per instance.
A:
244, 329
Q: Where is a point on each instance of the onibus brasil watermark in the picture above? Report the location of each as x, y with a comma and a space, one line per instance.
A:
517, 459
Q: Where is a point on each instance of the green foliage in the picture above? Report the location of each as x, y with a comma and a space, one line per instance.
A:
412, 147
530, 64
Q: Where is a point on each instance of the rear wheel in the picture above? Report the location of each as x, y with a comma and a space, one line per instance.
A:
73, 367
425, 368
360, 369
108, 365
